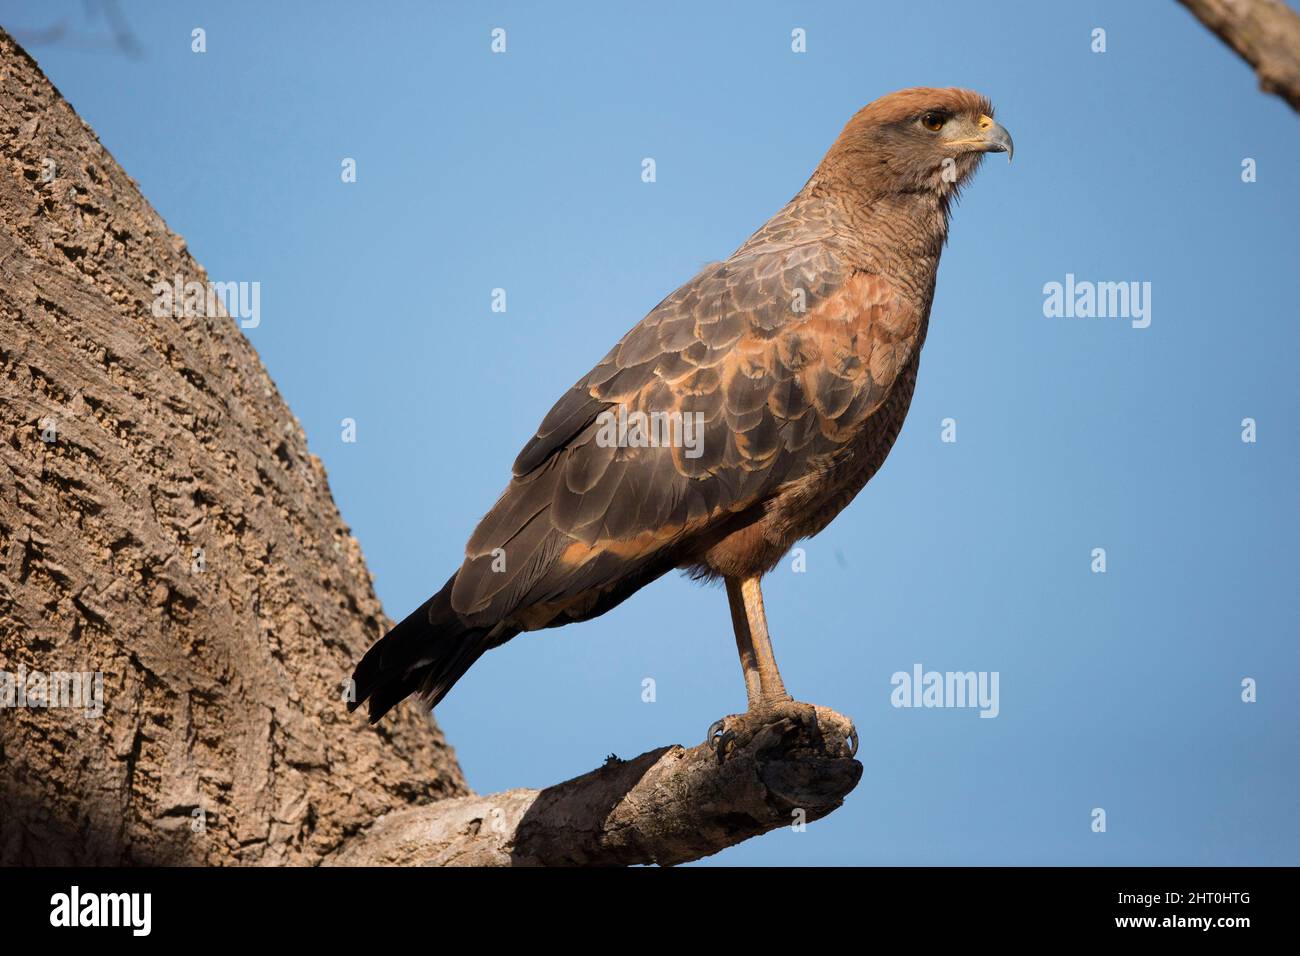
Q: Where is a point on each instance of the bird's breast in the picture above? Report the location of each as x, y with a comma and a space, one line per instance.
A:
807, 505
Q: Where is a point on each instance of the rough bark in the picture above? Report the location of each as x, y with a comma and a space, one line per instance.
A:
221, 688
163, 524
1264, 33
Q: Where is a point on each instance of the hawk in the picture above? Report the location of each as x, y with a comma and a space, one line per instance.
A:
782, 375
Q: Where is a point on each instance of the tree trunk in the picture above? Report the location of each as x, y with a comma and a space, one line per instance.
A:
163, 523
165, 531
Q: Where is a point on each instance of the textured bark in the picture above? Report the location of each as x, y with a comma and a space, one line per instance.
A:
128, 441
1264, 33
667, 806
222, 688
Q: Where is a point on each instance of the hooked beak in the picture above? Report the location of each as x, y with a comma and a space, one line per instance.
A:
993, 138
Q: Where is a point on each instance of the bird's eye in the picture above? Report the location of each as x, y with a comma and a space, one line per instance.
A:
933, 121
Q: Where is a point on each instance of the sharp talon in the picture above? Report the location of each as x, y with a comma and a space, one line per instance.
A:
715, 728
719, 738
724, 744
852, 741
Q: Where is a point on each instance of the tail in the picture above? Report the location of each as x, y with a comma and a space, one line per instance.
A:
428, 652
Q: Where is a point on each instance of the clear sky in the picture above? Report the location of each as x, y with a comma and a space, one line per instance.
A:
1119, 690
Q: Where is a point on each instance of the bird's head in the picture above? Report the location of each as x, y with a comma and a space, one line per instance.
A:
917, 140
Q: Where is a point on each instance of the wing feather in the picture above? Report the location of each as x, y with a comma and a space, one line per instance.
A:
781, 353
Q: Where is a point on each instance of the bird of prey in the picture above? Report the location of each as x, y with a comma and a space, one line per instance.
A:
794, 360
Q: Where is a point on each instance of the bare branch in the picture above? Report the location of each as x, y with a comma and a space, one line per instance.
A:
667, 806
1265, 33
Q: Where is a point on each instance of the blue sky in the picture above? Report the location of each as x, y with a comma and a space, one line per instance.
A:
522, 171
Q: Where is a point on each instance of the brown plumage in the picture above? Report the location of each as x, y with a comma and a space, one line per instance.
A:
799, 356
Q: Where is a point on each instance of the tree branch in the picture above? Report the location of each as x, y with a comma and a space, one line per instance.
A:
1265, 33
667, 806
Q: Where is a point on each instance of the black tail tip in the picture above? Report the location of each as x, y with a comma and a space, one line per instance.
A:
425, 653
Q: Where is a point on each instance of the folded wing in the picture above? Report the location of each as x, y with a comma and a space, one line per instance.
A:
757, 368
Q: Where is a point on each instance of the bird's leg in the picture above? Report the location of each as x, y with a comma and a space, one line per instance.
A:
768, 700
762, 679
763, 685
745, 645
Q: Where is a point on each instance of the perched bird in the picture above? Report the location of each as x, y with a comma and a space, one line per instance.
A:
783, 376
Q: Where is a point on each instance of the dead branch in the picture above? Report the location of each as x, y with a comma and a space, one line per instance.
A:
1264, 33
667, 806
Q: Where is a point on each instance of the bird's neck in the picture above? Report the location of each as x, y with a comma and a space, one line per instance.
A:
898, 235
